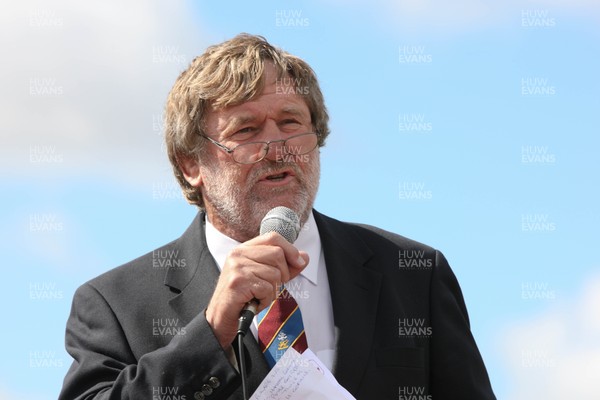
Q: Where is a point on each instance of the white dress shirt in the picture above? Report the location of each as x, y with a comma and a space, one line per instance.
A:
310, 289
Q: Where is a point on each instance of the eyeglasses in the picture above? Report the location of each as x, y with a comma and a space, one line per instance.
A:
250, 153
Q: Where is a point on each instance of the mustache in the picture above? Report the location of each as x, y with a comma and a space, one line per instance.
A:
271, 167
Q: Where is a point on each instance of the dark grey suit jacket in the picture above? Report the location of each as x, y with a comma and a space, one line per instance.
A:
401, 325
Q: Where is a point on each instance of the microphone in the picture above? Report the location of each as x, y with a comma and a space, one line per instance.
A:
285, 222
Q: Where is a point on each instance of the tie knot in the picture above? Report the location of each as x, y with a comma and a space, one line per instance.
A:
284, 295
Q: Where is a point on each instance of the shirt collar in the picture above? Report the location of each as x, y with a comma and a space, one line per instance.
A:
308, 240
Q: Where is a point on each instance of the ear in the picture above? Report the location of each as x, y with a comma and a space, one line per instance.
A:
191, 170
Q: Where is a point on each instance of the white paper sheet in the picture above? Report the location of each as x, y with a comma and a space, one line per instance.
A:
300, 377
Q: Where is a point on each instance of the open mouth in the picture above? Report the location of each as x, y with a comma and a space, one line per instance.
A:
278, 177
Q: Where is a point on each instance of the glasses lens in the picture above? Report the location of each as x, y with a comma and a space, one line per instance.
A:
301, 144
250, 152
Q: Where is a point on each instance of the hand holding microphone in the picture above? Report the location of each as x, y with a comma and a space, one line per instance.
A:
253, 271
285, 222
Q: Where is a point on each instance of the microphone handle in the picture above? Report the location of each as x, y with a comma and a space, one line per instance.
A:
247, 315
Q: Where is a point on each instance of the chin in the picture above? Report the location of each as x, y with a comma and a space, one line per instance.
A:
298, 205
298, 199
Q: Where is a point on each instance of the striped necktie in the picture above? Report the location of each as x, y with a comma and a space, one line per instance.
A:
280, 327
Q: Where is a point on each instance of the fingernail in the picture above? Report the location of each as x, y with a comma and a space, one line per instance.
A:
301, 261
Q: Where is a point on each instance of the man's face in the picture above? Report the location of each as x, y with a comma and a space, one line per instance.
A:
237, 196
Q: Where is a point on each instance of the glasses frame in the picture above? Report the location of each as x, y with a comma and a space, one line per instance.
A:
230, 151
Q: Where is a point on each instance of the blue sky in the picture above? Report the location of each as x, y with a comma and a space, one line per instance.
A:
469, 126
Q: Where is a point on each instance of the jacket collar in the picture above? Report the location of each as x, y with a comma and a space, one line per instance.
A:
192, 281
191, 248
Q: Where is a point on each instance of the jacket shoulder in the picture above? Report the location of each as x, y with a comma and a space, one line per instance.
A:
370, 233
145, 270
175, 262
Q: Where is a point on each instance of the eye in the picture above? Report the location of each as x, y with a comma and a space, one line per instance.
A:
244, 132
291, 124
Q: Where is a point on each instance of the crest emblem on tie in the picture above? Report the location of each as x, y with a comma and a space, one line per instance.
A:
284, 342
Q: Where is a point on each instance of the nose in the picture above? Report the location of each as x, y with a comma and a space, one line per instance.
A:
276, 151
275, 138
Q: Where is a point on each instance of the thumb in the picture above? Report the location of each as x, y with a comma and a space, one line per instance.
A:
299, 266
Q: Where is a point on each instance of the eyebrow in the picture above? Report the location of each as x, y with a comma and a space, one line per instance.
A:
292, 110
237, 121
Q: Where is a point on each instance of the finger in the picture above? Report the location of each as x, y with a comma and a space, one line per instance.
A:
267, 255
295, 271
292, 254
264, 294
247, 278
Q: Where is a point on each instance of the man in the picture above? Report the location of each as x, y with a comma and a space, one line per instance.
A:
384, 313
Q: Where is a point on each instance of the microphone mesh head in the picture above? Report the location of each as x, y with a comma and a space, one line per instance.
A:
283, 221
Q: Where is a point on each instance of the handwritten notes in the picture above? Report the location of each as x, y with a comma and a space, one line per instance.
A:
300, 377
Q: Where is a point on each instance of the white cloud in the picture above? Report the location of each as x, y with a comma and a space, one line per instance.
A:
556, 355
84, 85
424, 18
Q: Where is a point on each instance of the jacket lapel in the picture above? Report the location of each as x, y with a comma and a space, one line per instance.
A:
194, 282
354, 296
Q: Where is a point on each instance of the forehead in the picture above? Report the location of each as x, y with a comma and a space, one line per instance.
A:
277, 99
273, 103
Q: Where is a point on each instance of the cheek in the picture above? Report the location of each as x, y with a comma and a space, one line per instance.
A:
313, 163
244, 172
234, 174
220, 163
